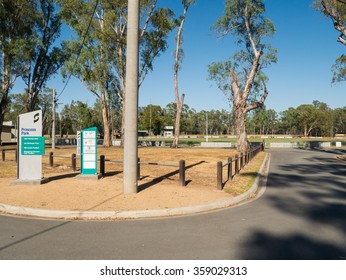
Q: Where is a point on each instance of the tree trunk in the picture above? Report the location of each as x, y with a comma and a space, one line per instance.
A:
106, 122
240, 130
2, 116
122, 135
179, 101
6, 86
3, 106
180, 104
31, 100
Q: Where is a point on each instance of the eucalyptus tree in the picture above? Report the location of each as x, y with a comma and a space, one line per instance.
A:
16, 32
151, 118
242, 77
339, 120
44, 56
75, 116
100, 60
17, 106
336, 11
179, 54
289, 123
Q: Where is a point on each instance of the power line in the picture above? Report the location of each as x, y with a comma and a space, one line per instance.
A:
80, 50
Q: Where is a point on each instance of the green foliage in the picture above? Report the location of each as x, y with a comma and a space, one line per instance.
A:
154, 41
339, 69
16, 31
104, 55
75, 116
263, 121
315, 119
256, 34
17, 106
44, 58
151, 118
219, 73
336, 11
99, 52
233, 22
336, 7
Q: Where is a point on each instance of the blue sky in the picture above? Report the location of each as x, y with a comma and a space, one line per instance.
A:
307, 49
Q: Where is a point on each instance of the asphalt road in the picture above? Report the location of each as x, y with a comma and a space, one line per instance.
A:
301, 215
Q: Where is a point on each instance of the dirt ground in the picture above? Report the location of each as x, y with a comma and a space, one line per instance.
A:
158, 187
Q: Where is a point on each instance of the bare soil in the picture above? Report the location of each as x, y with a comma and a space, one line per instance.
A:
158, 187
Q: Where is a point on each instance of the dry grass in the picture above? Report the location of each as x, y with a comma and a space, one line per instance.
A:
200, 163
242, 182
158, 188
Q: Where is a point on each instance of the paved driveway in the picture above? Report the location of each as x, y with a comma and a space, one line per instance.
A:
302, 215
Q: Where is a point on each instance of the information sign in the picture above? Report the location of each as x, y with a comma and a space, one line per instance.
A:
89, 151
32, 145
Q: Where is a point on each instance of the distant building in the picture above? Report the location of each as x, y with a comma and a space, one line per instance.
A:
168, 131
8, 133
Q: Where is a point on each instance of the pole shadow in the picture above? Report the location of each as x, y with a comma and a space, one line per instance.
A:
166, 176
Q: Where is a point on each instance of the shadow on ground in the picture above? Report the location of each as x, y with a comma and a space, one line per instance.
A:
315, 190
265, 246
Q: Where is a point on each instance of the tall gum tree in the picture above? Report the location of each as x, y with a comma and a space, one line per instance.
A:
102, 63
179, 54
241, 78
16, 30
336, 11
45, 58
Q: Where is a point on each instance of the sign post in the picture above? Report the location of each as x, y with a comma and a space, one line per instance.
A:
78, 143
30, 148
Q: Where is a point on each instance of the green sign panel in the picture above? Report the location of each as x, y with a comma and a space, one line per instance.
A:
32, 145
89, 151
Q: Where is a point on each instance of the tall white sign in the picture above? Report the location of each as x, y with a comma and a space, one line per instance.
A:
29, 164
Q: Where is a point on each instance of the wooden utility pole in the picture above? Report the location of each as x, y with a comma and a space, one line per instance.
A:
131, 101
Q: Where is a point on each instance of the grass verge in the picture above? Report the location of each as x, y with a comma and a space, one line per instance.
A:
245, 179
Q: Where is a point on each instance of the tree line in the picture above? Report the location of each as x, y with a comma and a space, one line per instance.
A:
316, 119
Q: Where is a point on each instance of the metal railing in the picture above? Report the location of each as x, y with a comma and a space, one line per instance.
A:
181, 166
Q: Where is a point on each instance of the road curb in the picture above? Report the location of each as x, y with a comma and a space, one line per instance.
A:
140, 214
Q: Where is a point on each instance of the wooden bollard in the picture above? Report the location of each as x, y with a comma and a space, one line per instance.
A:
51, 159
182, 173
3, 155
236, 165
73, 160
102, 165
229, 168
219, 175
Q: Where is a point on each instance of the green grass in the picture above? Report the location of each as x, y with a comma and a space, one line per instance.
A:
251, 139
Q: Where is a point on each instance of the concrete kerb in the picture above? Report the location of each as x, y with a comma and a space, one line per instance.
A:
140, 214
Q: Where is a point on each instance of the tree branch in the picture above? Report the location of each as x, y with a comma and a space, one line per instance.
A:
248, 30
177, 48
252, 75
338, 22
260, 103
150, 13
235, 85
